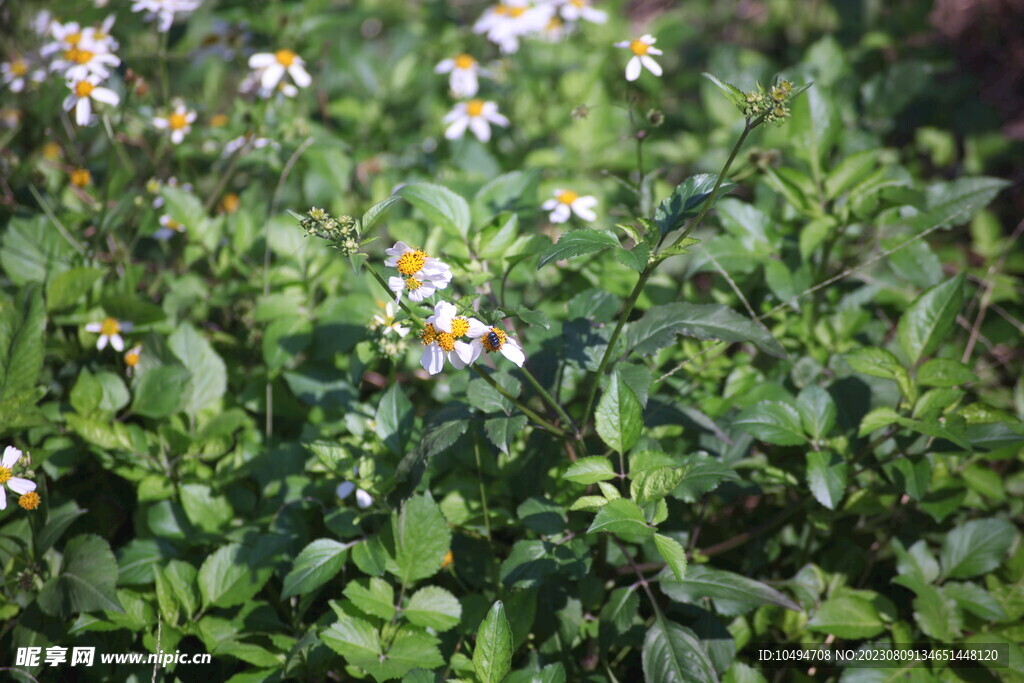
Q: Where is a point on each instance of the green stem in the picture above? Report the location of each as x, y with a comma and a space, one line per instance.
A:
535, 383
56, 223
541, 422
480, 480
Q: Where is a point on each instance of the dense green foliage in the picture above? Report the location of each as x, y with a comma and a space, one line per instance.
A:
772, 393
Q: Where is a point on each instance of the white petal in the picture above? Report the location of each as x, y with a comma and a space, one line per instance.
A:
101, 343
477, 329
177, 136
583, 212
272, 76
444, 66
11, 456
560, 214
497, 119
622, 43
549, 204
424, 291
648, 39
654, 51
463, 83
83, 110
633, 69
106, 96
94, 327
432, 359
3, 498
457, 129
651, 65
363, 499
457, 112
511, 350
586, 201
345, 489
300, 75
443, 314
117, 342
397, 250
481, 129
22, 486
396, 284
261, 60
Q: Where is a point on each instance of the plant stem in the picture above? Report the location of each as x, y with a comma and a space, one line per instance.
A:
402, 304
480, 481
541, 422
535, 383
56, 223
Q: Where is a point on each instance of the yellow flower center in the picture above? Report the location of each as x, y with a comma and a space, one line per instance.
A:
428, 334
51, 150
174, 225
84, 88
131, 359
177, 121
411, 262
445, 340
501, 10
285, 57
230, 203
475, 107
412, 284
516, 12
464, 61
494, 339
78, 56
578, 3
80, 177
5, 475
19, 67
567, 196
449, 559
73, 38
460, 326
639, 48
109, 327
219, 120
29, 501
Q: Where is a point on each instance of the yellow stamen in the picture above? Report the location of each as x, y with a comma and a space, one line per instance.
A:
464, 61
5, 475
73, 38
230, 203
639, 47
428, 334
131, 359
29, 501
567, 196
475, 107
445, 340
411, 262
177, 121
449, 560
109, 327
176, 226
285, 57
19, 67
84, 88
412, 284
494, 339
460, 326
78, 56
81, 177
516, 12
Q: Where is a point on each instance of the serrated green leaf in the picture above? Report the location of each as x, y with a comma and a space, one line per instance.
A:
930, 318
826, 477
492, 656
674, 654
847, 616
590, 470
619, 416
440, 205
673, 553
621, 516
577, 243
686, 201
422, 538
660, 324
433, 607
317, 564
774, 422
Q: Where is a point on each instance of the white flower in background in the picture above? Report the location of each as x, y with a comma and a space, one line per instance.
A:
567, 202
82, 94
574, 10
168, 228
463, 69
164, 10
421, 275
387, 322
270, 68
18, 72
7, 479
81, 51
178, 122
345, 489
477, 115
131, 359
556, 30
42, 22
110, 332
507, 22
441, 335
642, 51
79, 62
232, 146
494, 339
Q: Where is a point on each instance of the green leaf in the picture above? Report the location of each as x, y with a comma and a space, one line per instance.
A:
941, 372
376, 212
817, 411
704, 582
209, 375
234, 573
590, 470
394, 420
673, 654
577, 243
621, 516
502, 431
128, 308
181, 577
87, 580
635, 258
355, 640
774, 422
619, 416
435, 608
660, 324
703, 474
847, 616
686, 200
826, 477
652, 485
930, 318
974, 599
975, 548
159, 391
374, 596
875, 362
422, 539
956, 202
284, 339
317, 564
440, 205
731, 92
937, 614
492, 656
673, 553
22, 323
68, 287
206, 511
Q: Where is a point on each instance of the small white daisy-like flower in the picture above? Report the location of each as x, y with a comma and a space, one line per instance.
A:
463, 79
345, 489
477, 115
232, 146
507, 22
168, 228
42, 22
131, 359
441, 338
110, 332
164, 10
82, 94
82, 61
387, 322
574, 10
495, 339
178, 122
567, 202
421, 275
272, 66
7, 479
17, 73
642, 51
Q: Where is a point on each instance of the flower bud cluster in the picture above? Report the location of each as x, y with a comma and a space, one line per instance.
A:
342, 232
771, 104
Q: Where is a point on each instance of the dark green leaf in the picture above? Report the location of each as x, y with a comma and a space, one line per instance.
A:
686, 201
976, 547
660, 324
774, 422
492, 656
826, 477
86, 582
578, 243
621, 516
422, 539
317, 564
847, 616
394, 420
440, 205
673, 654
619, 416
929, 320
